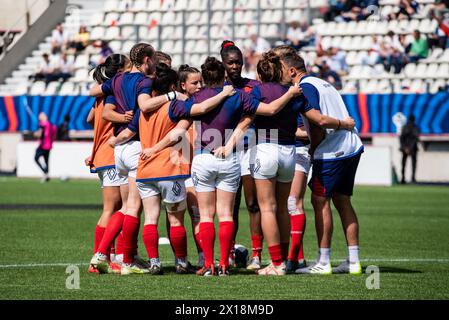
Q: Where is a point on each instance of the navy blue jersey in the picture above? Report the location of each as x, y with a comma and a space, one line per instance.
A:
125, 89
285, 122
217, 125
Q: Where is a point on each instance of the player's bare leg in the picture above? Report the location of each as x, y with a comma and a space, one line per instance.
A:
283, 218
266, 196
111, 203
131, 226
324, 229
297, 220
350, 225
150, 235
178, 237
255, 223
225, 206
206, 205
194, 212
113, 229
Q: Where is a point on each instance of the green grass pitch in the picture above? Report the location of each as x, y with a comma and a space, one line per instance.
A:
404, 231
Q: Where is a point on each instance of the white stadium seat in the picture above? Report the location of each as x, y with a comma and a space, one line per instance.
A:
116, 46
52, 89
126, 18
37, 88
111, 5
141, 18
97, 33
140, 5
222, 4
111, 17
112, 33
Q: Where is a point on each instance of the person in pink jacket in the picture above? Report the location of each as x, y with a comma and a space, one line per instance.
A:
48, 135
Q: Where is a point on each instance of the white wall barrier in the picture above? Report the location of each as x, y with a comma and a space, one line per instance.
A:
67, 160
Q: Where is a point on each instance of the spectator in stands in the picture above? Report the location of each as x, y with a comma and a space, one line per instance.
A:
299, 35
418, 49
46, 69
105, 51
64, 68
440, 7
375, 53
81, 40
59, 40
336, 61
395, 58
259, 45
324, 72
440, 37
405, 10
350, 10
249, 69
409, 146
63, 129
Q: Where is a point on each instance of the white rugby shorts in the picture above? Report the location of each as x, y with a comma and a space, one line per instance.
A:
269, 160
127, 158
210, 173
171, 191
110, 178
244, 159
302, 160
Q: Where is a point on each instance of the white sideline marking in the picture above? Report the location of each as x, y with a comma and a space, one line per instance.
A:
37, 265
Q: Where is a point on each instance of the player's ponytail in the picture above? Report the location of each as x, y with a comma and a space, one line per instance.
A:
269, 68
213, 72
108, 69
166, 79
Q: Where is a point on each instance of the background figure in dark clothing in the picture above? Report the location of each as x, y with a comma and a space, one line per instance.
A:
48, 133
63, 129
409, 146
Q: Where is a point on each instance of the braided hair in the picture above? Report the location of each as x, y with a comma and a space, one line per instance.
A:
139, 52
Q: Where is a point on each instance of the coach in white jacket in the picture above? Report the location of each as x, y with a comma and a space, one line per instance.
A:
335, 160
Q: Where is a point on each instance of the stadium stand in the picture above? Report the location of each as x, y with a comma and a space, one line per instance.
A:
191, 30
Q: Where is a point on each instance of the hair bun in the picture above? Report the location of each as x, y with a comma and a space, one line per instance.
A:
183, 67
212, 63
271, 56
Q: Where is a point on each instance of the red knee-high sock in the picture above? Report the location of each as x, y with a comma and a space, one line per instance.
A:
119, 244
298, 223
178, 238
151, 240
112, 230
257, 242
226, 236
198, 242
99, 232
135, 251
207, 234
130, 233
301, 251
232, 249
284, 250
275, 254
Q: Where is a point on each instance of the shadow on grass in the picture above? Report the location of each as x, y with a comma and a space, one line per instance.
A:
395, 270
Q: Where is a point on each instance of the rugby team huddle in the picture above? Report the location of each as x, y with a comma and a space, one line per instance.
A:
193, 139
